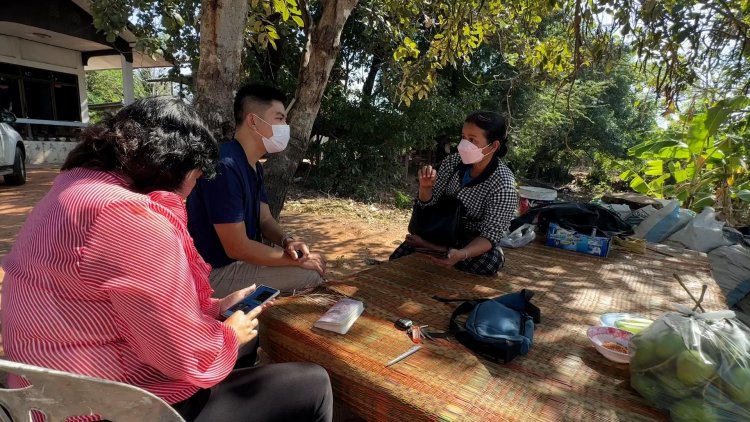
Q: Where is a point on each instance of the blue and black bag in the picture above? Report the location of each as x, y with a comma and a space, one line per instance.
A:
498, 328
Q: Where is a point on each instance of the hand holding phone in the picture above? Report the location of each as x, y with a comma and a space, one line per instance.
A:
260, 296
244, 325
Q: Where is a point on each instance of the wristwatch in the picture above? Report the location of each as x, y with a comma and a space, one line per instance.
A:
286, 240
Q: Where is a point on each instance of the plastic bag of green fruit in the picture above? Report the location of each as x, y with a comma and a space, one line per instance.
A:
695, 365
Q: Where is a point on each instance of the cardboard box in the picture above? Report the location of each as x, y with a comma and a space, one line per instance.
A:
570, 240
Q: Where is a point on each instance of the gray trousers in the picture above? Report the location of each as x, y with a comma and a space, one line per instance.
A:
238, 275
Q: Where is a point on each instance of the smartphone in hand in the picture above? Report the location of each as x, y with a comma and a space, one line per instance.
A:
432, 252
261, 295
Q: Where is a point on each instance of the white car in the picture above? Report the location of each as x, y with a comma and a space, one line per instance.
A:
12, 152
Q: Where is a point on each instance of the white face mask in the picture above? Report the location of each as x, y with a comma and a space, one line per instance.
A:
470, 153
278, 141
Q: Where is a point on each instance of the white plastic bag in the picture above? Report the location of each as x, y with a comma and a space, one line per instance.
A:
695, 365
519, 237
663, 223
703, 233
730, 267
656, 226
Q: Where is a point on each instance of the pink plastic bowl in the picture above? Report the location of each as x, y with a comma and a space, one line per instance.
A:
599, 335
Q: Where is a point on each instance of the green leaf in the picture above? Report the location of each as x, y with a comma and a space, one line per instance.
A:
697, 134
719, 113
298, 20
652, 147
178, 18
654, 168
744, 195
656, 186
715, 153
677, 152
638, 184
680, 175
703, 202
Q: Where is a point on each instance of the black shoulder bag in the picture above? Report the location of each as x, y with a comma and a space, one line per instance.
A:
440, 223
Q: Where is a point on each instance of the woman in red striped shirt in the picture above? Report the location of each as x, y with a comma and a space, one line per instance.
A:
104, 279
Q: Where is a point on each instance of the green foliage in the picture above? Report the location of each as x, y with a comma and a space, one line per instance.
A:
690, 44
402, 200
574, 87
436, 35
171, 28
105, 86
563, 128
603, 174
702, 161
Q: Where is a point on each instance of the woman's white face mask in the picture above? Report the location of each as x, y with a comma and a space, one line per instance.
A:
470, 153
278, 141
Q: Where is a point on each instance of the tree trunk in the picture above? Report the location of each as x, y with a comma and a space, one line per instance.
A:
369, 84
221, 42
321, 49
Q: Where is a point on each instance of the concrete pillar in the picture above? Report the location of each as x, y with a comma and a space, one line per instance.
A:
128, 89
83, 95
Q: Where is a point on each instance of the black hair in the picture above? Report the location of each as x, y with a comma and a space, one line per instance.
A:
255, 92
154, 142
495, 128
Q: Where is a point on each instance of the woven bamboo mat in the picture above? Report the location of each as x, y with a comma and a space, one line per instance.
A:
562, 378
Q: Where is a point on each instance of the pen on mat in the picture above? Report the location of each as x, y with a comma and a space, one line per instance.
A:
404, 355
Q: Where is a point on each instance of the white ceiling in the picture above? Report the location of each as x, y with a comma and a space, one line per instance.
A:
140, 60
49, 37
57, 39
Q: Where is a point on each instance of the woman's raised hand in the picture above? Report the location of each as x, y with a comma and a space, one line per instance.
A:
427, 176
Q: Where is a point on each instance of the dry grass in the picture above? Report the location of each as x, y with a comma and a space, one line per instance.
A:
340, 207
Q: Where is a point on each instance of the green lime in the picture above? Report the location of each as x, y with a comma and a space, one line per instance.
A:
694, 368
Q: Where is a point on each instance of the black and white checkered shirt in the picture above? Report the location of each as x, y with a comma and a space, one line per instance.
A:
490, 199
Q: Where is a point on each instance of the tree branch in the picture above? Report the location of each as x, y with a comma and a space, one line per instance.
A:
307, 19
726, 11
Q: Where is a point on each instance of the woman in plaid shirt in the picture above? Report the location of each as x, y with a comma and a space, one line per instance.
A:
486, 188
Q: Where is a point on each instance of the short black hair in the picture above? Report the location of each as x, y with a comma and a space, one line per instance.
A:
154, 141
495, 128
258, 93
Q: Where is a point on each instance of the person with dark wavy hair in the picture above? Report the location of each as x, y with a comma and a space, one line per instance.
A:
104, 279
483, 185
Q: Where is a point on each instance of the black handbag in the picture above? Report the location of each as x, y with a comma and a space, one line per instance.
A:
440, 223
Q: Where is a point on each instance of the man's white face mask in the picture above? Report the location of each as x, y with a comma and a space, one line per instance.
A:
278, 141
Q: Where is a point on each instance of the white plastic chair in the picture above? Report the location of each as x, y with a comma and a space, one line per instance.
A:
60, 395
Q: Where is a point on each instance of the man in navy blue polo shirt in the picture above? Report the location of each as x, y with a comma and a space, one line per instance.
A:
228, 216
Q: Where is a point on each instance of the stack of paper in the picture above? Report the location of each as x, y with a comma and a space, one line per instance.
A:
341, 316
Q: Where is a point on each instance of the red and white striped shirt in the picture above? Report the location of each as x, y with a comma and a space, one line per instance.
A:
106, 282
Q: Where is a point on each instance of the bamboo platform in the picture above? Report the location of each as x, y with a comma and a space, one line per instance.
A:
563, 378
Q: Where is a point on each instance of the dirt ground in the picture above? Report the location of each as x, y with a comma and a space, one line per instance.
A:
348, 233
